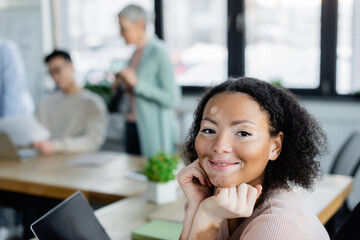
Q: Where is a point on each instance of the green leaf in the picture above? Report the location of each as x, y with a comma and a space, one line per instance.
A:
161, 167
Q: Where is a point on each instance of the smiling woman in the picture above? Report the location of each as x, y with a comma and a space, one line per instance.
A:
249, 143
233, 144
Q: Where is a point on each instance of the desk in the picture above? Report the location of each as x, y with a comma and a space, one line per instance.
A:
121, 218
53, 177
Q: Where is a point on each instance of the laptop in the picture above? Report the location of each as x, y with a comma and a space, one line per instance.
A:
17, 134
10, 152
73, 218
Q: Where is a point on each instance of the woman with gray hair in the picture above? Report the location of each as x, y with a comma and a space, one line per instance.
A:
150, 88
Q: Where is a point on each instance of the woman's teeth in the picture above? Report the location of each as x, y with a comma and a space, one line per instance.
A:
224, 164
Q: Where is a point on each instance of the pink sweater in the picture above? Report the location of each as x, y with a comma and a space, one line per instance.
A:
281, 217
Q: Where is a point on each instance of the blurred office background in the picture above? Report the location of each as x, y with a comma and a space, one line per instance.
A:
311, 47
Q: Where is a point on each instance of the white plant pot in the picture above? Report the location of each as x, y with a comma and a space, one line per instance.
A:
161, 193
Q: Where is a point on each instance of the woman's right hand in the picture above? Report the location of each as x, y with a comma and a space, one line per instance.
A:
194, 183
196, 187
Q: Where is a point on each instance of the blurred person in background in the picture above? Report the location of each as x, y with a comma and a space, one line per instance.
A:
15, 98
76, 118
150, 89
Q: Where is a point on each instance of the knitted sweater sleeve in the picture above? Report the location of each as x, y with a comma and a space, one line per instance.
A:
279, 227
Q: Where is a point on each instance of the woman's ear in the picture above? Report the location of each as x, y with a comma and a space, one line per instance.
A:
276, 145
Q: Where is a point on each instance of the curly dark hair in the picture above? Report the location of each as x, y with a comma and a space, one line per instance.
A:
303, 137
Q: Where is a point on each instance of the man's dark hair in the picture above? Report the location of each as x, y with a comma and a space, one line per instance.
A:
58, 53
303, 140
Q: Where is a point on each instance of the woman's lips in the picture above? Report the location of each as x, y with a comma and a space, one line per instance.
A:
222, 165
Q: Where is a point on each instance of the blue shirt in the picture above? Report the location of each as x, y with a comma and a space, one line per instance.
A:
14, 95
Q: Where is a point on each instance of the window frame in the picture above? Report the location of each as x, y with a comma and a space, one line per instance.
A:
236, 46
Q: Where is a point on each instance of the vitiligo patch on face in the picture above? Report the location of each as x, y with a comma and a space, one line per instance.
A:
213, 110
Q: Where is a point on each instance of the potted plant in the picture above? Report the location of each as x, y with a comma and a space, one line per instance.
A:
160, 172
277, 82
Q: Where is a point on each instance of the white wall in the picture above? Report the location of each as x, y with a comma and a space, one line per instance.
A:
339, 119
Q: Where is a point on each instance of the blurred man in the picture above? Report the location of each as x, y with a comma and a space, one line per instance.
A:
75, 117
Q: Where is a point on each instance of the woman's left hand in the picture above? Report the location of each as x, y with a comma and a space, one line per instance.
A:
227, 203
234, 202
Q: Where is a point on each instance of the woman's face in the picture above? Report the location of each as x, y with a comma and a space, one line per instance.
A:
233, 144
130, 31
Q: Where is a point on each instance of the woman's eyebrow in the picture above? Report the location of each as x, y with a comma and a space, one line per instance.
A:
242, 121
210, 120
232, 123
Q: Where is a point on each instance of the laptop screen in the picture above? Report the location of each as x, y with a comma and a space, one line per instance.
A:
71, 219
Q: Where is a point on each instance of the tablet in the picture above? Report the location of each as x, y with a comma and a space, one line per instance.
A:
73, 218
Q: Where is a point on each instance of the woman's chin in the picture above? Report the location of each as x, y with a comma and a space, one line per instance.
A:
223, 183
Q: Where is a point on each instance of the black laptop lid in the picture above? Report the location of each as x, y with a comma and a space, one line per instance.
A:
71, 219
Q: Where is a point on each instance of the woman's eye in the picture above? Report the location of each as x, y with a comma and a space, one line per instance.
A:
243, 134
208, 131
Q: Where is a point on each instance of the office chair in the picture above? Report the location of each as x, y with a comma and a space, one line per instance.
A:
347, 162
350, 228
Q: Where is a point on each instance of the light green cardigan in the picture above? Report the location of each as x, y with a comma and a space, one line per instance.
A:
156, 95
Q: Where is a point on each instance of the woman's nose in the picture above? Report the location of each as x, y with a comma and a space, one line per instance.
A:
222, 144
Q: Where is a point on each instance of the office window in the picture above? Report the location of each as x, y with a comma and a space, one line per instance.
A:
345, 79
94, 37
283, 41
195, 32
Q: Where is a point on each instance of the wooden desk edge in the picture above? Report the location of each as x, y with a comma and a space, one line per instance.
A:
59, 192
331, 209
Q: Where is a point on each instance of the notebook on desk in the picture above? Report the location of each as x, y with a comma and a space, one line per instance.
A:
158, 230
73, 218
10, 152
